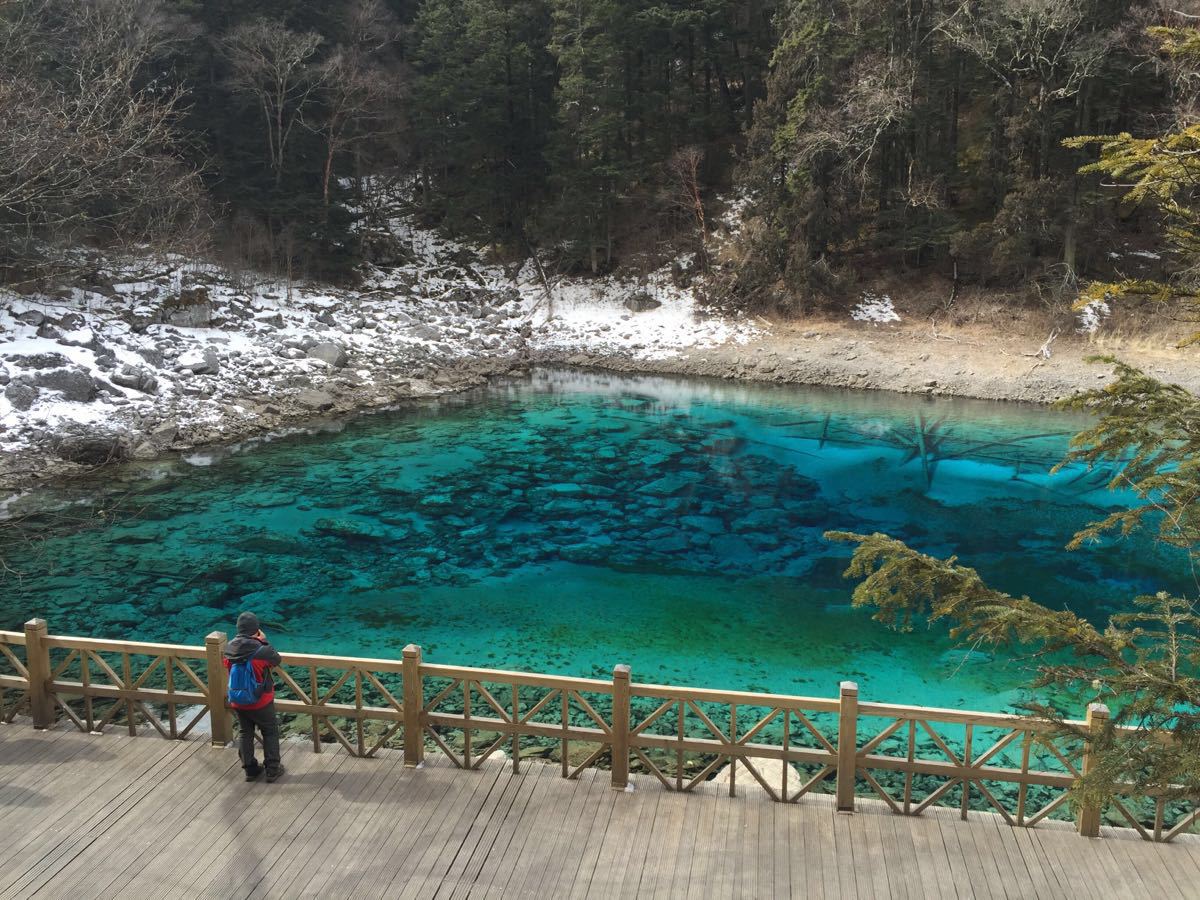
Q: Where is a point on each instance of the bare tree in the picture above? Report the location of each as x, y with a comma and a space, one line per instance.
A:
684, 166
273, 65
357, 87
88, 140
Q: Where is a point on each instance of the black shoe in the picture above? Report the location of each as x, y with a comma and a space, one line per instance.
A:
252, 774
273, 774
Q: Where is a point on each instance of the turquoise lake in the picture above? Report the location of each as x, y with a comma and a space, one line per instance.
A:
566, 521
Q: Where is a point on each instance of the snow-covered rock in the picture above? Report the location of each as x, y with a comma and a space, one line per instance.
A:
329, 352
199, 362
126, 354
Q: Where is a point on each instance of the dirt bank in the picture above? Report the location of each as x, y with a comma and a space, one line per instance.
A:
980, 362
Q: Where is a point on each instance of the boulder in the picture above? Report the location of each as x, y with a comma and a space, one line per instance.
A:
314, 399
41, 361
425, 333
31, 317
152, 355
641, 302
76, 385
21, 395
329, 352
201, 363
191, 309
137, 378
89, 446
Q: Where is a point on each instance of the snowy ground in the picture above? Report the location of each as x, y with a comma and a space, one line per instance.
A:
161, 354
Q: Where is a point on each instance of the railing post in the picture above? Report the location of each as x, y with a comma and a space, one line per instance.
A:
620, 728
220, 723
1089, 814
847, 746
414, 702
37, 663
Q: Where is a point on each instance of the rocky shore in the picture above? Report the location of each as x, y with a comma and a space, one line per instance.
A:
136, 360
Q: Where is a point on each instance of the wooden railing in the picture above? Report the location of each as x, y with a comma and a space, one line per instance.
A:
909, 757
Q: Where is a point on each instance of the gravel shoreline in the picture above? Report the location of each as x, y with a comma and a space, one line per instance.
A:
834, 356
134, 366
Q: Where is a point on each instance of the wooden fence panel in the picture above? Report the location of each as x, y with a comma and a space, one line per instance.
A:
909, 757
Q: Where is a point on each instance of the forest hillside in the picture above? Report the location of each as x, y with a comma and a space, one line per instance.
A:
921, 138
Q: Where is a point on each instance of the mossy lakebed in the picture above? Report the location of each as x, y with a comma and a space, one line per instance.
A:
565, 522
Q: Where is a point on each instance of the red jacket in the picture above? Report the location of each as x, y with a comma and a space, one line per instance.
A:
262, 657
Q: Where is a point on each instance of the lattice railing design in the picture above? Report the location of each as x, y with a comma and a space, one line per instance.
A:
96, 684
356, 703
14, 676
910, 758
1008, 765
522, 714
683, 737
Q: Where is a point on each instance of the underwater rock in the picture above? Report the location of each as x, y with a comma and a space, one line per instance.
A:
732, 548
709, 524
348, 530
670, 485
118, 615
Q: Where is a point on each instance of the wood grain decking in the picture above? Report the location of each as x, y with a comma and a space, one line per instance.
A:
114, 816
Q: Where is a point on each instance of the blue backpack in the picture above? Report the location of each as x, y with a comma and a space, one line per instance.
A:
244, 688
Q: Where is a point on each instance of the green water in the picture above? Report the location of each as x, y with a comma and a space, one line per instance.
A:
566, 522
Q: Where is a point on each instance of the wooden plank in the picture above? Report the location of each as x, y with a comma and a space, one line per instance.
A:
105, 869
965, 874
918, 842
645, 801
601, 818
309, 838
121, 816
377, 824
826, 846
543, 859
389, 824
1025, 871
746, 882
429, 815
422, 878
64, 847
268, 809
669, 833
624, 850
990, 854
705, 857
463, 858
535, 824
1031, 847
84, 791
498, 832
879, 870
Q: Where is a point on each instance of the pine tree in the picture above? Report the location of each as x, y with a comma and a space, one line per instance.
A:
1145, 663
1164, 173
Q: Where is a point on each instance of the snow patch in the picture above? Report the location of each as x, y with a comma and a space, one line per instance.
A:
877, 309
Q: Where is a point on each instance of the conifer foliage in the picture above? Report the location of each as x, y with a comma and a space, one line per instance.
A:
1144, 664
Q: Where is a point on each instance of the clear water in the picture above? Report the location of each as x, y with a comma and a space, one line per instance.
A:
566, 522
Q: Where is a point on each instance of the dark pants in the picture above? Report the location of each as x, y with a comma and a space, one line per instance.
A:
263, 719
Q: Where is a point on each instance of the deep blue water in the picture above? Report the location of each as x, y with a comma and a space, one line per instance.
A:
567, 522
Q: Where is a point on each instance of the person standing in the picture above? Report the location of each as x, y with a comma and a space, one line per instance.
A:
251, 692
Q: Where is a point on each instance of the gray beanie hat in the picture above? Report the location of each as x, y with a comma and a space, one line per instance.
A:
247, 625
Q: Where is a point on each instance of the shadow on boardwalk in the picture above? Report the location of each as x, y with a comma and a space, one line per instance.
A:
107, 816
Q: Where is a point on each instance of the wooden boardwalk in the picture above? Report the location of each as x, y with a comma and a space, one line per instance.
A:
110, 816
